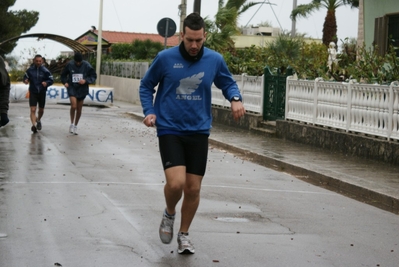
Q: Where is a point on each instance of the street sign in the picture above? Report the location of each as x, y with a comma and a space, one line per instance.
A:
166, 28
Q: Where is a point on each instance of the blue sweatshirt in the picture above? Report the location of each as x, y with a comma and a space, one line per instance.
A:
184, 98
36, 76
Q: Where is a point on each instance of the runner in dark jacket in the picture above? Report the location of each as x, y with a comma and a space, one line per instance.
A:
39, 78
76, 77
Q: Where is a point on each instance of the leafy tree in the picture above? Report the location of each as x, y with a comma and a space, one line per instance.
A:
349, 52
146, 49
121, 51
250, 60
283, 51
219, 38
330, 22
311, 62
371, 67
137, 50
225, 25
229, 13
14, 23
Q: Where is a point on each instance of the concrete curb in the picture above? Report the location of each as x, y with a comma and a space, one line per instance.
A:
365, 195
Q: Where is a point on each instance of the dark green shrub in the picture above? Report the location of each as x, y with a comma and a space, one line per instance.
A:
137, 50
373, 68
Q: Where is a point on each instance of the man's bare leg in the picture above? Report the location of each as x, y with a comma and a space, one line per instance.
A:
191, 200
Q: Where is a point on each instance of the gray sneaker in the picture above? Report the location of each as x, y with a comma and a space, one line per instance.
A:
184, 245
166, 229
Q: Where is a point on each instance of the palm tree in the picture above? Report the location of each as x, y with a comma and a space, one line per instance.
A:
225, 25
239, 6
330, 22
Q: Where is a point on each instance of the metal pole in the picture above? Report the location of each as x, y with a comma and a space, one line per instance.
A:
293, 26
99, 43
197, 6
166, 32
183, 14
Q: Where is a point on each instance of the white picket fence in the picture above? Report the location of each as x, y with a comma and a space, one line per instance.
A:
251, 89
353, 107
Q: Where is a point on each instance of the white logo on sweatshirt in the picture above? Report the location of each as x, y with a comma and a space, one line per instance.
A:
178, 66
188, 86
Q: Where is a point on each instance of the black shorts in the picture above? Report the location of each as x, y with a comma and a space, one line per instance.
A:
185, 150
80, 93
35, 98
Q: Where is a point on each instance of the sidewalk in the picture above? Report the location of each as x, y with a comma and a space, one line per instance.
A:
372, 182
368, 181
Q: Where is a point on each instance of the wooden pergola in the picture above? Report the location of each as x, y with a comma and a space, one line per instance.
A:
74, 45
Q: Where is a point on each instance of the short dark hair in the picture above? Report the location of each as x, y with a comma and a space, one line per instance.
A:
194, 22
38, 56
78, 57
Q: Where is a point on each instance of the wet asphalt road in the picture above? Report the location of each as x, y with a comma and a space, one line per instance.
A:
96, 199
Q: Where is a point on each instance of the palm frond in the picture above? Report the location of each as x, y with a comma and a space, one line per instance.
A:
220, 4
305, 10
247, 6
235, 3
352, 3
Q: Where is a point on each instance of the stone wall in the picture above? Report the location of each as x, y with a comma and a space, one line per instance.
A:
224, 116
354, 144
125, 89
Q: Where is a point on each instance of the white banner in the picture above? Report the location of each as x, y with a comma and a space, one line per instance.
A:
98, 95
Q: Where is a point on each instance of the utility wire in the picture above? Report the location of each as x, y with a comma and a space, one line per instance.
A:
270, 4
276, 17
120, 24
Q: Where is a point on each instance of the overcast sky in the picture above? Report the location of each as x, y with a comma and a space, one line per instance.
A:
74, 17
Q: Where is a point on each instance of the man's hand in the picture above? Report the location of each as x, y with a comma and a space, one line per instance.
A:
149, 120
83, 81
237, 109
26, 81
44, 84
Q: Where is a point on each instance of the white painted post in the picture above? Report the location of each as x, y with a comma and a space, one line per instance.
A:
390, 111
349, 106
315, 100
99, 43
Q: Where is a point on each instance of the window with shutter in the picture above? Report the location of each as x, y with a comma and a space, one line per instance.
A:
386, 33
380, 34
393, 32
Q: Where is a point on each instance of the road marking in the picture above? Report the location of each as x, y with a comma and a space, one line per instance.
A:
203, 185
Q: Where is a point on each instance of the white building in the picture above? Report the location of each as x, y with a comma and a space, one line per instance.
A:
264, 31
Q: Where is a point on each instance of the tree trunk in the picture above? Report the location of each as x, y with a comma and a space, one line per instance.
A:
330, 28
360, 31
